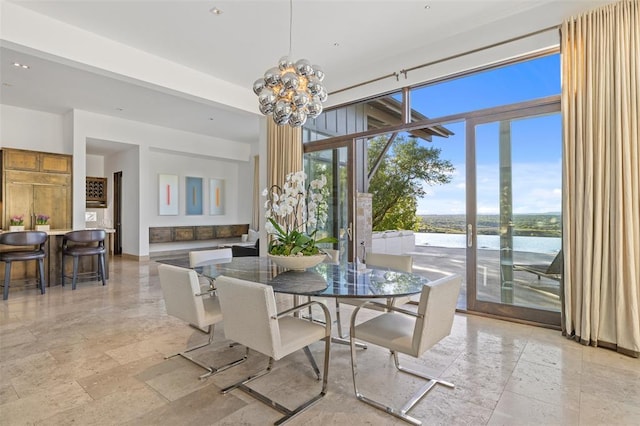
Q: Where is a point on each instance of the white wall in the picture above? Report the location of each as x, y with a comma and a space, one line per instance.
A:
132, 199
237, 194
95, 165
33, 130
149, 147
140, 177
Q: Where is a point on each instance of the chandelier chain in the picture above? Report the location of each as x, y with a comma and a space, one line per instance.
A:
290, 26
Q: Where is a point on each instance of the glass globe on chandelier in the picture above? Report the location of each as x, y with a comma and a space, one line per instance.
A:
292, 91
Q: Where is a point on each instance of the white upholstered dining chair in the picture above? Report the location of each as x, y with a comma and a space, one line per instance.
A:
397, 262
251, 319
202, 257
183, 300
410, 333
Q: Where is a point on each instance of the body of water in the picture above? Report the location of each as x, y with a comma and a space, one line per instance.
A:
490, 242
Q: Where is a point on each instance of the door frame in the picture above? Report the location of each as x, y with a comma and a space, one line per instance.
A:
117, 212
515, 111
351, 185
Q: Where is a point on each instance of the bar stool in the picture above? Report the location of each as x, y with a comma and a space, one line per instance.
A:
23, 238
88, 242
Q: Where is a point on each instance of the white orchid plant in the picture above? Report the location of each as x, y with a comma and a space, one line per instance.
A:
294, 215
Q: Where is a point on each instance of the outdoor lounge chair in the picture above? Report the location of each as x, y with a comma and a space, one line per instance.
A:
553, 270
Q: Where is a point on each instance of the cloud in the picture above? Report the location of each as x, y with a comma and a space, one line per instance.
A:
536, 189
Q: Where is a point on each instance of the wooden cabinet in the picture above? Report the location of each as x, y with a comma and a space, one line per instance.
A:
35, 161
36, 183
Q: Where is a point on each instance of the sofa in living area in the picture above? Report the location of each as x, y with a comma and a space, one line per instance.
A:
393, 242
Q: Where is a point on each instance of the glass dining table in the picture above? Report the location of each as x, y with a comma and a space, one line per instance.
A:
323, 280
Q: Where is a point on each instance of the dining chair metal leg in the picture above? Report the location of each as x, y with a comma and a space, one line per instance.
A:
343, 339
210, 369
288, 413
401, 414
312, 361
338, 321
418, 373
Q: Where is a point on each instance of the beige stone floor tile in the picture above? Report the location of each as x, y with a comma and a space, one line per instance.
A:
178, 378
603, 410
11, 367
203, 406
338, 409
96, 356
439, 407
607, 358
568, 357
614, 383
16, 336
38, 406
113, 409
133, 352
253, 413
514, 409
7, 393
546, 383
118, 379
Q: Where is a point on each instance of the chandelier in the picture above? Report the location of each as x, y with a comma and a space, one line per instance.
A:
292, 91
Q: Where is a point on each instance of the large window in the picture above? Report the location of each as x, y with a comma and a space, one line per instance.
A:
493, 212
509, 84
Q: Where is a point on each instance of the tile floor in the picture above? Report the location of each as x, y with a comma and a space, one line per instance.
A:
94, 356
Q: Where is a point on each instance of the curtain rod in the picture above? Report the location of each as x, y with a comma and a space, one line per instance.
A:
448, 58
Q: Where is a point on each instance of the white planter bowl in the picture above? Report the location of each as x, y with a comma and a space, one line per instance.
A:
297, 263
16, 227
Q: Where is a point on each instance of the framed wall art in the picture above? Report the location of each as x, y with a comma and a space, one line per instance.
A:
168, 195
193, 197
216, 196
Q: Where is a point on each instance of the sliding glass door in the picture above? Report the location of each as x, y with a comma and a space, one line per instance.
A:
514, 261
333, 164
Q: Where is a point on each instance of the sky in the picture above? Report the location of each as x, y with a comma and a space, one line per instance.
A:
536, 141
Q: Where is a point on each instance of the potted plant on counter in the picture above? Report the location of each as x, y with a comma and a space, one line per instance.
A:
16, 223
42, 222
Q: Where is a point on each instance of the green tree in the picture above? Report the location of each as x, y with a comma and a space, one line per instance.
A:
398, 182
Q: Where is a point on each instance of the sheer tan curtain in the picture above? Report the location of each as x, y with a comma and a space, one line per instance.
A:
284, 152
601, 105
255, 220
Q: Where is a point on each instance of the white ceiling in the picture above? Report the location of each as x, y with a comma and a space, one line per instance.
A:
354, 41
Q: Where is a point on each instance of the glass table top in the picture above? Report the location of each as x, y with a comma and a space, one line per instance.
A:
345, 280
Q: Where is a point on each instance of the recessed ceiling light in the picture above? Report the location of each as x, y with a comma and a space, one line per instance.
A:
211, 118
215, 11
427, 7
336, 44
19, 65
119, 109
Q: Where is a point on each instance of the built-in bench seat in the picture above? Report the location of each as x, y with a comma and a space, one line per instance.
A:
168, 234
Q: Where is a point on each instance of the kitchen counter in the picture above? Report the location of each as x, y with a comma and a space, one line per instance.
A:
26, 271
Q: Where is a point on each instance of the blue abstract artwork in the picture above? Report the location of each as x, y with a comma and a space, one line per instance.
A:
194, 195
